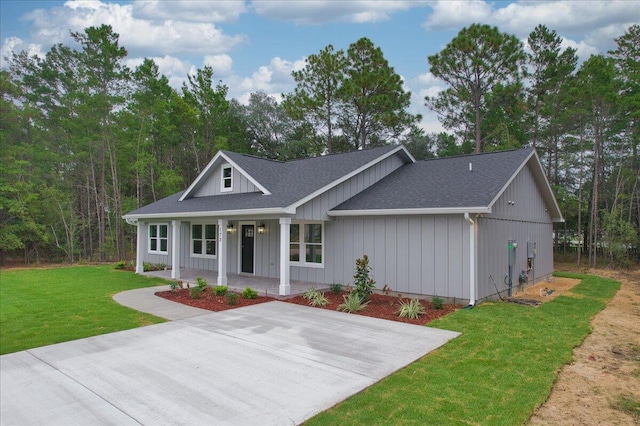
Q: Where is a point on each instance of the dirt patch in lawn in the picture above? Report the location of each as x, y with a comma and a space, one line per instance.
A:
546, 291
602, 384
381, 306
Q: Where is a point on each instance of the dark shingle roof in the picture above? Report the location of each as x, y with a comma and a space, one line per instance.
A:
441, 183
288, 182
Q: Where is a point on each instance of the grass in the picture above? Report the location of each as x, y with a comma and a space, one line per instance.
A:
43, 306
500, 369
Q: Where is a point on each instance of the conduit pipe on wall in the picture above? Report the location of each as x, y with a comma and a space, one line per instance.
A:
472, 261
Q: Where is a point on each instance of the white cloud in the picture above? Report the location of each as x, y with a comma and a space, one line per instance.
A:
456, 14
322, 11
17, 45
141, 37
222, 65
198, 11
593, 25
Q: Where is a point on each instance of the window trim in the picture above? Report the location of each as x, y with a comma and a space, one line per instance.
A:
157, 237
223, 179
204, 240
303, 245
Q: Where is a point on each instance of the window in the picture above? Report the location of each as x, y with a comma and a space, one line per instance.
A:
158, 241
227, 179
294, 245
305, 245
203, 240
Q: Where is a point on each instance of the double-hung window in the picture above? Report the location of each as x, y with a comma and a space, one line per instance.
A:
305, 245
203, 240
227, 179
158, 241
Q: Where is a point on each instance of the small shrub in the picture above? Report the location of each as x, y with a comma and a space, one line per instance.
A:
121, 265
437, 302
335, 288
201, 283
364, 284
195, 292
160, 267
220, 290
146, 267
249, 293
352, 303
411, 309
232, 298
315, 298
174, 285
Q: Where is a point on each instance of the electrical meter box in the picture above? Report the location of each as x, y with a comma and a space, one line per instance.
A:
511, 246
531, 250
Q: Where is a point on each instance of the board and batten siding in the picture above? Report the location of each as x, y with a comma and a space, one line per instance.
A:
212, 185
316, 209
525, 219
426, 255
152, 257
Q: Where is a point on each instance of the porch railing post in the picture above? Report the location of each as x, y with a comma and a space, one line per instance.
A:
175, 249
222, 251
285, 270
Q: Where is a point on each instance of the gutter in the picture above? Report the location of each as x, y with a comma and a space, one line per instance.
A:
472, 261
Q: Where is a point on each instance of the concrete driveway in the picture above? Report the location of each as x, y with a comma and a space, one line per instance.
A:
272, 363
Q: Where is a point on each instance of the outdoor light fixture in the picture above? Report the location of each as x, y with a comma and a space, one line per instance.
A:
230, 228
261, 228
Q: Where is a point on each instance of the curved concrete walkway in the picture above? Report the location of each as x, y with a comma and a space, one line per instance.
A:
145, 300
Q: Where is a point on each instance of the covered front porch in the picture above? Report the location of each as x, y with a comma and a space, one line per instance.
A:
237, 282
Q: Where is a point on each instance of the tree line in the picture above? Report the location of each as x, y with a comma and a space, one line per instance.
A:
85, 138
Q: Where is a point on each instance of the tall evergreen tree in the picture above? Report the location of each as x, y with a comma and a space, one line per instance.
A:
375, 102
476, 62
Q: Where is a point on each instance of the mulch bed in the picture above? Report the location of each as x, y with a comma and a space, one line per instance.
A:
381, 306
209, 300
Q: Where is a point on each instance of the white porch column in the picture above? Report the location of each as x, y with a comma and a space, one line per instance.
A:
285, 270
175, 249
222, 251
139, 248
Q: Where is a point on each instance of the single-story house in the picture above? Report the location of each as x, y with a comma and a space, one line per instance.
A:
447, 227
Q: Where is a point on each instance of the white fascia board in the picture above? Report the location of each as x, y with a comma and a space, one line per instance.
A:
264, 190
350, 175
540, 173
209, 168
400, 212
219, 213
513, 176
201, 176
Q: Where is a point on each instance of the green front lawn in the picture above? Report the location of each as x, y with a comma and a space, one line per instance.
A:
500, 369
43, 306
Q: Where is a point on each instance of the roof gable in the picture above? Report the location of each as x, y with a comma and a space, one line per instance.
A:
470, 183
220, 158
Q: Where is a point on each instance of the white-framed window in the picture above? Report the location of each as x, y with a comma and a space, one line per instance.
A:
227, 179
306, 244
203, 240
158, 238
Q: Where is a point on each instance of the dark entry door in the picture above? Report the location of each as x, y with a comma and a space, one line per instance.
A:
248, 234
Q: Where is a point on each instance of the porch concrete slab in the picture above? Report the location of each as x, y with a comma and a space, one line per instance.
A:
273, 363
145, 300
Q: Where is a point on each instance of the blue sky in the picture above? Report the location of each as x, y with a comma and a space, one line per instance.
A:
254, 45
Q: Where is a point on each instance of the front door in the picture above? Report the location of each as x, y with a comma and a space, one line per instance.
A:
246, 251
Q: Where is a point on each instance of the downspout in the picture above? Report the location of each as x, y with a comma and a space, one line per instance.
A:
472, 261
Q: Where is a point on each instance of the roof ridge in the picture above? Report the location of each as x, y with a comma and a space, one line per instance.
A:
254, 156
481, 153
333, 154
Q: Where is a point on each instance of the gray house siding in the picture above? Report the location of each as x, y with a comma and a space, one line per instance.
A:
410, 254
317, 208
212, 186
526, 219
